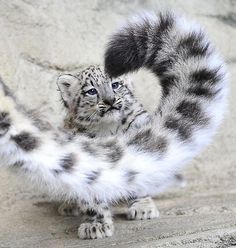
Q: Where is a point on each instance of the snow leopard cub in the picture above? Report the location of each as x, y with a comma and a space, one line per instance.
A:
99, 106
99, 171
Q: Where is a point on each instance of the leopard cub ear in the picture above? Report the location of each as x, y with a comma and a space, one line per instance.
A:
66, 84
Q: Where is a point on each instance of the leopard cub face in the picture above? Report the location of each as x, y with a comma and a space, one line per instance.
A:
90, 96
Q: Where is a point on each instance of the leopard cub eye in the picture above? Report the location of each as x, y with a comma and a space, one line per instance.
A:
92, 91
115, 85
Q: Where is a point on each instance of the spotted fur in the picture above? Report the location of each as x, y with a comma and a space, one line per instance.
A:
90, 114
161, 44
25, 141
98, 105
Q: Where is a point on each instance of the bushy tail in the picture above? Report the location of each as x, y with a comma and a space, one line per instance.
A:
177, 51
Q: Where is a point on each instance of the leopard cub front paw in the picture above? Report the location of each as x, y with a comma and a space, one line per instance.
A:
95, 230
142, 209
5, 123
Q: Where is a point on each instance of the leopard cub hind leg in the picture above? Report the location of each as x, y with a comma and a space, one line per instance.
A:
98, 221
142, 209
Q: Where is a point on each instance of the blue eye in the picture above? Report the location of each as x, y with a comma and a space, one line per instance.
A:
92, 91
115, 85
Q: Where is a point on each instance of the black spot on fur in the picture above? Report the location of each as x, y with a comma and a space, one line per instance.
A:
172, 123
67, 162
131, 175
185, 132
5, 122
190, 110
183, 129
159, 144
18, 164
92, 176
26, 141
115, 154
111, 150
149, 142
91, 212
141, 137
108, 150
123, 121
127, 49
193, 45
165, 23
163, 66
191, 116
167, 83
122, 54
201, 91
205, 76
89, 147
161, 29
108, 144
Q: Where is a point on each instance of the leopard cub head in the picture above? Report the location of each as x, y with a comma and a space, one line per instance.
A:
91, 96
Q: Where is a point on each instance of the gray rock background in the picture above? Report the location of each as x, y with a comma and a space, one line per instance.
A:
42, 39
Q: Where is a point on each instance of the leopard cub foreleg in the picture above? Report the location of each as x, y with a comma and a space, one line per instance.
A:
97, 221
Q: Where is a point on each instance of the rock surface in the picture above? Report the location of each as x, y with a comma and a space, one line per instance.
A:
41, 39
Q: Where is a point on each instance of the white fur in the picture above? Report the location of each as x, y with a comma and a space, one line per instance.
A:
153, 170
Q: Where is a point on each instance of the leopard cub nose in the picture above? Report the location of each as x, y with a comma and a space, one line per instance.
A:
109, 101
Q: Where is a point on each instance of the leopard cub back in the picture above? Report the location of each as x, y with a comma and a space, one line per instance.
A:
98, 105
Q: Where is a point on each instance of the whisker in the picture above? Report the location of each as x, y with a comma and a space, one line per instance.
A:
89, 117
